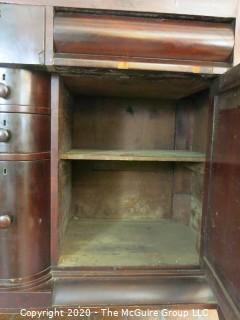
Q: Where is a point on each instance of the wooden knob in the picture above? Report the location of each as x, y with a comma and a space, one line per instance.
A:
4, 90
5, 221
5, 135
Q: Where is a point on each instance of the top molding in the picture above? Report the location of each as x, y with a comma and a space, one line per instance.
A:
210, 8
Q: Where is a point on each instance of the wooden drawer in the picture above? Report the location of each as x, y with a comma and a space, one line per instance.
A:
24, 220
135, 38
24, 133
23, 87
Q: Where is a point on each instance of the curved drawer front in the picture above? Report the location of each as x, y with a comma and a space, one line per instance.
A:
137, 38
24, 133
23, 87
24, 218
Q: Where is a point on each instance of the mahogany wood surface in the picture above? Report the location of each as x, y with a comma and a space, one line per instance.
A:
128, 37
222, 222
130, 291
25, 156
24, 180
24, 109
39, 296
26, 88
41, 52
25, 177
24, 197
28, 133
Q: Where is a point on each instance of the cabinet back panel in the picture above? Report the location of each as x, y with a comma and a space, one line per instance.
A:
123, 193
201, 103
192, 122
111, 123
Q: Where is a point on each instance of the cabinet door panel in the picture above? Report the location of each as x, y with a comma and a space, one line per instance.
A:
221, 249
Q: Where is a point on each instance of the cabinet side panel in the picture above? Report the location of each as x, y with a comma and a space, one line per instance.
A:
60, 170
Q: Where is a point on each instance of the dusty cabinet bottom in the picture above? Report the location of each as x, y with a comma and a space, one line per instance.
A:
103, 242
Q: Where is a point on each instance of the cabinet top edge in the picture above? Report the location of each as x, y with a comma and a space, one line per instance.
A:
212, 8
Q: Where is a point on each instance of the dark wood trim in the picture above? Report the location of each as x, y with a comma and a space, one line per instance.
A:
137, 290
36, 298
13, 302
220, 314
24, 156
217, 8
24, 109
208, 174
229, 81
227, 306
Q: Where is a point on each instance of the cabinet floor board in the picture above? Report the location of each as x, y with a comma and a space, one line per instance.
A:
107, 242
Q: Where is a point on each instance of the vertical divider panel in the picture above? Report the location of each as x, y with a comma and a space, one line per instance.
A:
61, 169
55, 101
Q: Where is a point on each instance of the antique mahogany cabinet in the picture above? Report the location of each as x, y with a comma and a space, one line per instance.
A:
120, 154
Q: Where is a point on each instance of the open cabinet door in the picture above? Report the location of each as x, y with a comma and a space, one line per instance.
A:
221, 227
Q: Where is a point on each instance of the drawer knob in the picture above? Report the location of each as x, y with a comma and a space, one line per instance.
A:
5, 221
4, 90
5, 135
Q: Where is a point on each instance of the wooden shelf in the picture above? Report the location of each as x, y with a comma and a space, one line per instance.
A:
134, 155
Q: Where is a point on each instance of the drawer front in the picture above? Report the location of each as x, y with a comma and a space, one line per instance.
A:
24, 133
126, 38
24, 218
23, 87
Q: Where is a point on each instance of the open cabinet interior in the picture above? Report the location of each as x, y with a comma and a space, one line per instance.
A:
132, 153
